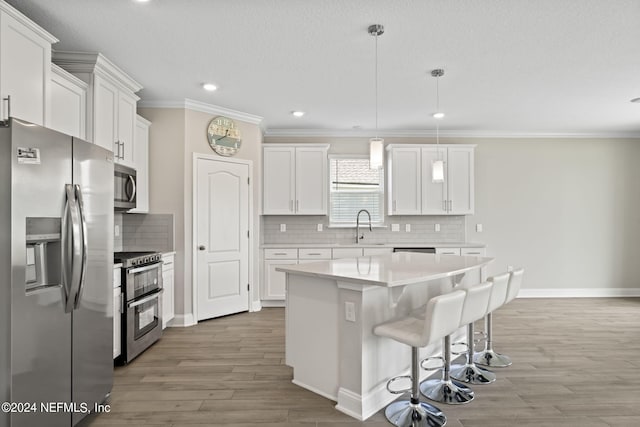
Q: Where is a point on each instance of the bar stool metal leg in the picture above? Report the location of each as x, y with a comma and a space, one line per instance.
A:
446, 390
413, 413
488, 357
469, 372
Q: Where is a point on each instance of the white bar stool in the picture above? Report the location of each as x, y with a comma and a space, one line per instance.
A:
476, 306
441, 317
505, 287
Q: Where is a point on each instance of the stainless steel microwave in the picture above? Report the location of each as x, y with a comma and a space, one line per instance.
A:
124, 187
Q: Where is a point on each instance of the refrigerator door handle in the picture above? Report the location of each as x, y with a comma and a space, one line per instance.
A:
76, 257
83, 227
66, 263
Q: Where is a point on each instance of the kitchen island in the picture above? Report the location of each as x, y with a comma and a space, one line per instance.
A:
332, 307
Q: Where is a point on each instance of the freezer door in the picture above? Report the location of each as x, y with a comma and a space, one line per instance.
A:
40, 328
92, 361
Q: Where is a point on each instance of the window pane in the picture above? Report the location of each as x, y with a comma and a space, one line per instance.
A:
353, 187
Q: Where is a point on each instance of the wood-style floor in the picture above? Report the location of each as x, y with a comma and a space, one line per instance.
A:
576, 362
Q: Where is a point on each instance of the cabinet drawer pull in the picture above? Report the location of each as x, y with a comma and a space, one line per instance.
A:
314, 253
280, 253
473, 253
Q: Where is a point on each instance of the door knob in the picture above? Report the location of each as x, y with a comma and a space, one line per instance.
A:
201, 247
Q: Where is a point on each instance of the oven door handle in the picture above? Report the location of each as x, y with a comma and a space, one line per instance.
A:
145, 299
144, 268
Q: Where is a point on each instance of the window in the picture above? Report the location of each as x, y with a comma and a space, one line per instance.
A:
353, 186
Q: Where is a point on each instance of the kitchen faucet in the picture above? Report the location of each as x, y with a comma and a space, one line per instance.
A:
358, 236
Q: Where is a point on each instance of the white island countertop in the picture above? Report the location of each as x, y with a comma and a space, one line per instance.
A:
389, 270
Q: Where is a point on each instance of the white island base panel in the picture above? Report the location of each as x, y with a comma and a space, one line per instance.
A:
343, 360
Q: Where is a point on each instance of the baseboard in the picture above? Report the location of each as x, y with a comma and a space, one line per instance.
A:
256, 306
272, 303
182, 321
580, 293
313, 389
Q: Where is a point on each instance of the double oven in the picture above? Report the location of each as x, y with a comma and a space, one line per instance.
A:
142, 296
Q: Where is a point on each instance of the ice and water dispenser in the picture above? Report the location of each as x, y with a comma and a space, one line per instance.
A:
43, 260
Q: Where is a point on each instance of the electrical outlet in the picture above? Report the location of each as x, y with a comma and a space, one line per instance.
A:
479, 228
349, 311
437, 227
510, 268
283, 228
319, 228
395, 227
407, 228
116, 230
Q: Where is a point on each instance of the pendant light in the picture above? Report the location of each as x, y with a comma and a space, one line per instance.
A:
376, 143
437, 166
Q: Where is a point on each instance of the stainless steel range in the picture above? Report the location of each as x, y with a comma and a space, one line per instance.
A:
142, 311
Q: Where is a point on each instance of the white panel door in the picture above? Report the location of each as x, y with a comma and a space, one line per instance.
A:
434, 195
104, 114
405, 182
25, 70
311, 181
68, 104
222, 241
278, 181
461, 180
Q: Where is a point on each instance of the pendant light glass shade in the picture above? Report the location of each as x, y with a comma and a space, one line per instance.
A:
437, 171
375, 153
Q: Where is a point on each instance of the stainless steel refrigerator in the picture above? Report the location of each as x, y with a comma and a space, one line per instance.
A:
56, 275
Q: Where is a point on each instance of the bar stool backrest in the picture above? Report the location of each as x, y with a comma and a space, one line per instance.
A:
499, 291
476, 302
515, 281
442, 316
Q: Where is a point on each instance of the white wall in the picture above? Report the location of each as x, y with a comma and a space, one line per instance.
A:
568, 210
175, 135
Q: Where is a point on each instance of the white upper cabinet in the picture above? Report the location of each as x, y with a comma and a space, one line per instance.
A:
25, 67
412, 190
295, 179
68, 103
404, 181
141, 164
111, 107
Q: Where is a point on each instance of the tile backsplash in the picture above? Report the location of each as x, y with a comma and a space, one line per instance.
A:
303, 229
144, 232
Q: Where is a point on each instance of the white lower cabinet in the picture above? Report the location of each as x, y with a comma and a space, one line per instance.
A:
117, 314
274, 283
448, 251
168, 273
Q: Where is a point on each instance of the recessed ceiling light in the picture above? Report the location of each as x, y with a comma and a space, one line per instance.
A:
636, 100
438, 115
209, 86
298, 113
142, 1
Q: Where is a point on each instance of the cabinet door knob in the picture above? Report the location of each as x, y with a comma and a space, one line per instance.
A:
201, 248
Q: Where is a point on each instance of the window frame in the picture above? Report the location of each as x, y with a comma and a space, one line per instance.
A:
381, 192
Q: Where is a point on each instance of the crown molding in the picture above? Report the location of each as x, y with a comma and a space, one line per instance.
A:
15, 13
272, 133
92, 62
190, 104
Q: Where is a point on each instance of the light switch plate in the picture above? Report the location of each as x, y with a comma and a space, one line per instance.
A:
395, 227
407, 228
437, 227
116, 230
283, 228
319, 228
349, 311
479, 228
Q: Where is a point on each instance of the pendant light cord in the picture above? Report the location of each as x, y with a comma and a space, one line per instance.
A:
376, 77
437, 111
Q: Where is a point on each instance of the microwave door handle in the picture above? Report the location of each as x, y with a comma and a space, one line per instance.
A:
146, 299
76, 249
133, 188
66, 263
83, 226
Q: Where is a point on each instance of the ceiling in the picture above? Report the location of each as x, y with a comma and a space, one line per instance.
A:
512, 67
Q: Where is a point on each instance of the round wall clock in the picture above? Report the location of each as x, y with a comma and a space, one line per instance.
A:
224, 136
